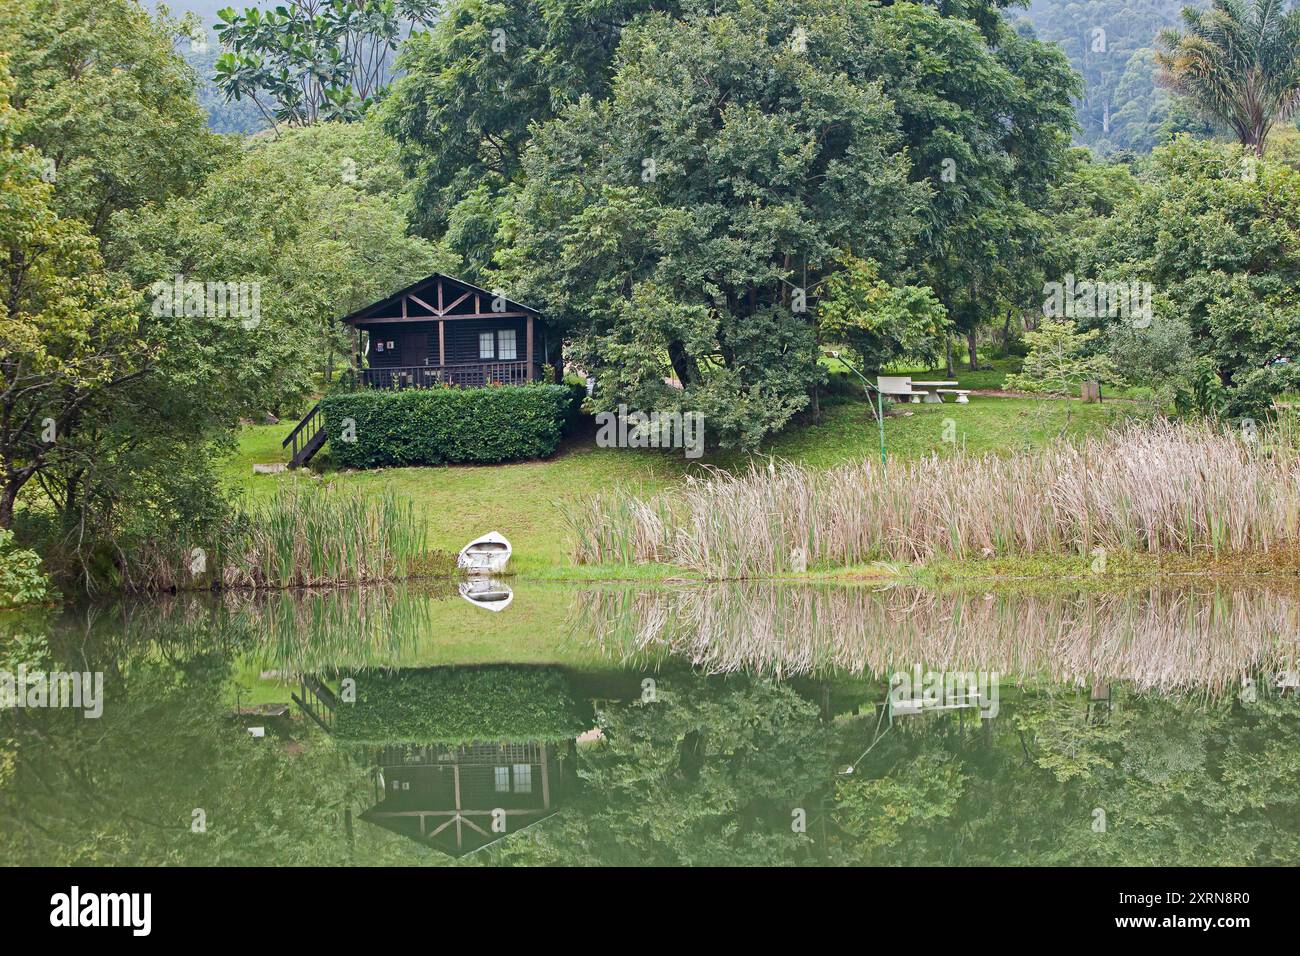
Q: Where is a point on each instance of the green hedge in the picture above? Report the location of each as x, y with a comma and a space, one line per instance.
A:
455, 705
440, 426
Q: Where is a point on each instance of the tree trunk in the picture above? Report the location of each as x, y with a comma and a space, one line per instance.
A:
971, 348
7, 499
947, 347
683, 367
70, 497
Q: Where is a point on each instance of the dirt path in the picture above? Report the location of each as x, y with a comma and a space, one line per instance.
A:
1000, 393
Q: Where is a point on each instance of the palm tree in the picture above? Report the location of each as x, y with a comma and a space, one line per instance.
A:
1238, 62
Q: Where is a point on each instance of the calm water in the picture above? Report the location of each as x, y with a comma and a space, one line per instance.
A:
754, 724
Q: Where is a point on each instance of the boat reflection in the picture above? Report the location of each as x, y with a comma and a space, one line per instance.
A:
487, 593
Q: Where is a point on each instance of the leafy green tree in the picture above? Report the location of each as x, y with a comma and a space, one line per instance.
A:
22, 580
1216, 234
316, 219
673, 230
988, 135
310, 60
67, 329
1239, 63
473, 85
878, 321
1059, 360
105, 100
1081, 202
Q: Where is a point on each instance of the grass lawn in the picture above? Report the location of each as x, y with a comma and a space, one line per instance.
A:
520, 500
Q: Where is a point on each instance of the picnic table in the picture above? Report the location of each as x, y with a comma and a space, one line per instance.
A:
931, 393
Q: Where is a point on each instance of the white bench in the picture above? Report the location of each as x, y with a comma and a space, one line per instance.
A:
961, 394
898, 386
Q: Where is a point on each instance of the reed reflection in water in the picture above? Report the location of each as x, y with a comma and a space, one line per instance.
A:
1158, 638
300, 631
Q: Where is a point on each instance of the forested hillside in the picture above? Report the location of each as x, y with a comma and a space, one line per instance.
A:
1111, 43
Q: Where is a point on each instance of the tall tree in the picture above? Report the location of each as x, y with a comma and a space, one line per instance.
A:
316, 221
310, 60
988, 135
108, 104
473, 85
1239, 63
675, 229
67, 329
1221, 239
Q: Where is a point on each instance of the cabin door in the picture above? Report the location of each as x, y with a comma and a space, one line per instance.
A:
415, 348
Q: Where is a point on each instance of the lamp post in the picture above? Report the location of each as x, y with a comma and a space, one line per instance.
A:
880, 402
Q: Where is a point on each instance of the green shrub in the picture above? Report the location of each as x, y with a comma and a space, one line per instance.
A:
454, 705
447, 425
1059, 359
22, 581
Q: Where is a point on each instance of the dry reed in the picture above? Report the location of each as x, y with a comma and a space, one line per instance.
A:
1153, 488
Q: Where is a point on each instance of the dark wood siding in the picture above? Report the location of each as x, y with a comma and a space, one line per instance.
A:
413, 342
462, 338
418, 341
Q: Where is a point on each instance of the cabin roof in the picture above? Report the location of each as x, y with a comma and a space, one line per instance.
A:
437, 296
456, 833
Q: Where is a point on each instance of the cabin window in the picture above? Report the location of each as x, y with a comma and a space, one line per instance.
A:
523, 778
502, 779
486, 345
506, 341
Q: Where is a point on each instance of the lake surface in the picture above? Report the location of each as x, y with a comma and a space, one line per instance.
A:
526, 723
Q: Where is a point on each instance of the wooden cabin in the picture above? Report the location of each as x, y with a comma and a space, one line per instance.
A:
445, 797
435, 332
445, 331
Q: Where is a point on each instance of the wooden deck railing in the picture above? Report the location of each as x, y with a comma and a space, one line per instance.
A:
316, 700
471, 375
302, 437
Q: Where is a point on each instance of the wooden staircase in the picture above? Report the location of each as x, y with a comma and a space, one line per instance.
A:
316, 700
307, 438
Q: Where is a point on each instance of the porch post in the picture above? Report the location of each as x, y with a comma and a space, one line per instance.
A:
530, 348
442, 343
356, 361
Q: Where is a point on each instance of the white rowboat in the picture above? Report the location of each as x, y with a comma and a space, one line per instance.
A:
485, 555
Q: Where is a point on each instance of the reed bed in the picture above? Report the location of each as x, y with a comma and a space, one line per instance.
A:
298, 538
1160, 639
1152, 488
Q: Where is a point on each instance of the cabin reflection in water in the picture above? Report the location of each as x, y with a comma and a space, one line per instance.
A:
460, 798
462, 756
